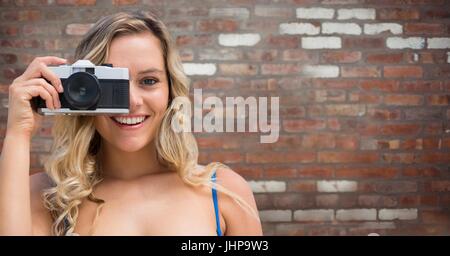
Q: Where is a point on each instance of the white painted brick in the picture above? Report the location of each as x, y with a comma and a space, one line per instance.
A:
357, 13
336, 186
439, 43
314, 215
239, 39
207, 69
299, 29
267, 186
401, 214
229, 12
321, 42
315, 13
402, 43
378, 28
448, 57
341, 28
275, 215
356, 214
325, 71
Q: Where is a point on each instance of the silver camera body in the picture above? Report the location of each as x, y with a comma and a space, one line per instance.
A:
90, 90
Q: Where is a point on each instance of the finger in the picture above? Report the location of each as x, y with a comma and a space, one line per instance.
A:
51, 60
37, 90
49, 88
52, 77
34, 70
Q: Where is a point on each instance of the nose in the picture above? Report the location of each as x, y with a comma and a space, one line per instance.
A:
135, 97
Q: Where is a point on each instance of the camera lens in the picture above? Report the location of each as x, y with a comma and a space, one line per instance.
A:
82, 90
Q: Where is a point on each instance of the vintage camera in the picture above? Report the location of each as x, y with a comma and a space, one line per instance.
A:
90, 90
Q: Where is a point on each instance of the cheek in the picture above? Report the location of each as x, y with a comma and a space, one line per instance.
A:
158, 101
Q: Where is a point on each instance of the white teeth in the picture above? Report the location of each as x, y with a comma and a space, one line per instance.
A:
129, 120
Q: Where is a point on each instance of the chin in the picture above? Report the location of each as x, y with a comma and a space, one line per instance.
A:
133, 145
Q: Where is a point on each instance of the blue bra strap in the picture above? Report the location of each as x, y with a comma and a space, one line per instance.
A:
216, 206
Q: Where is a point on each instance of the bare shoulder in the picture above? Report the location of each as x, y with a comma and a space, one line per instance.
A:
41, 217
234, 214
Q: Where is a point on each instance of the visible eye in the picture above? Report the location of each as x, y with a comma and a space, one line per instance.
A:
149, 81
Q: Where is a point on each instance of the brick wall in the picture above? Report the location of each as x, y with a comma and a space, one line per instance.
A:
364, 89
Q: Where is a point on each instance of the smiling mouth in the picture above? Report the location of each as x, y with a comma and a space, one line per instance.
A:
130, 121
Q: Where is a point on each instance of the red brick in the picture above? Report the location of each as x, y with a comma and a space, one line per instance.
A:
380, 85
396, 187
367, 172
224, 142
434, 158
437, 14
221, 83
274, 173
363, 43
421, 86
301, 186
403, 71
384, 58
440, 217
298, 55
400, 129
438, 100
278, 157
9, 30
348, 157
282, 41
194, 40
424, 28
293, 111
417, 200
445, 143
238, 69
341, 56
360, 72
398, 14
403, 99
124, 2
260, 55
384, 114
227, 157
8, 58
290, 230
319, 172
27, 15
347, 142
247, 172
19, 43
366, 98
319, 140
303, 125
403, 158
420, 172
217, 25
75, 2
327, 200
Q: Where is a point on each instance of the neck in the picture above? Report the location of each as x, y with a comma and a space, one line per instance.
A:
121, 165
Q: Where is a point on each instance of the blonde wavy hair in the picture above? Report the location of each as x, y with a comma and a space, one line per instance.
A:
73, 164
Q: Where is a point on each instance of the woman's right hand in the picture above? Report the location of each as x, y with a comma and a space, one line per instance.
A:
37, 80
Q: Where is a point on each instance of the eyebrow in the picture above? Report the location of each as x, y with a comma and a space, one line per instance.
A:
150, 70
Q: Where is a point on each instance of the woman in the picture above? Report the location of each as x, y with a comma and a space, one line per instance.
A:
117, 175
